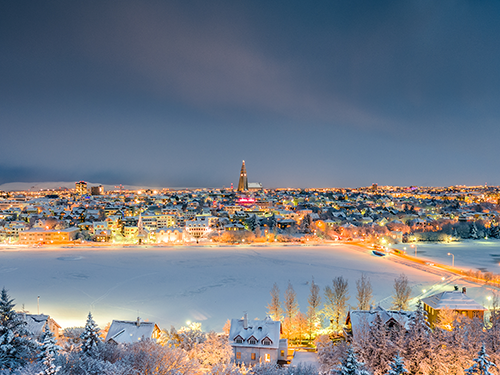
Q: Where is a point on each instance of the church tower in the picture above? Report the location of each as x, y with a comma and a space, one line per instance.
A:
243, 183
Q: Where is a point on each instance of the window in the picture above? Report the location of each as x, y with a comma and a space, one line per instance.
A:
282, 353
239, 340
254, 356
267, 357
266, 341
238, 355
253, 341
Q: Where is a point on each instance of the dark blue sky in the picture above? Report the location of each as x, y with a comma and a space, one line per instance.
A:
310, 94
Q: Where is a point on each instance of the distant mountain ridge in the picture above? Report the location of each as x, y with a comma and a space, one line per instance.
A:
34, 186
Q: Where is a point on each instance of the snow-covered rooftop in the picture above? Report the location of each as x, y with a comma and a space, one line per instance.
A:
454, 300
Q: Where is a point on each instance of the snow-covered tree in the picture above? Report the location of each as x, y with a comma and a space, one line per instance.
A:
473, 233
90, 336
397, 366
365, 292
482, 365
215, 350
274, 307
350, 365
48, 353
314, 299
402, 293
335, 306
494, 231
16, 346
418, 353
290, 304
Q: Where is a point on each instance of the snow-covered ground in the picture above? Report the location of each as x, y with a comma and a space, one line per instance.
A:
173, 285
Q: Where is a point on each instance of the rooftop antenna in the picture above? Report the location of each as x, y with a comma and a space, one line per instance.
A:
38, 305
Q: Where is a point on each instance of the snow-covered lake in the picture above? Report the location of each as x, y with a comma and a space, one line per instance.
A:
173, 285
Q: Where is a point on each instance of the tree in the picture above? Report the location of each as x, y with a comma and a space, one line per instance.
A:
482, 365
16, 346
350, 365
473, 232
365, 293
314, 299
397, 366
418, 351
48, 353
402, 293
290, 304
90, 336
336, 302
274, 307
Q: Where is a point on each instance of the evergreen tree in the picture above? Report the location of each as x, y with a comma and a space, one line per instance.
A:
473, 232
252, 222
418, 353
16, 346
397, 366
48, 353
305, 225
377, 349
482, 365
350, 365
494, 231
90, 336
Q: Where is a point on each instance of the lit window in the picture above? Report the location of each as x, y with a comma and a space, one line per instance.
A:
267, 357
253, 356
238, 355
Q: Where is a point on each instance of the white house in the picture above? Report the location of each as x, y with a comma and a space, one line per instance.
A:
127, 332
257, 341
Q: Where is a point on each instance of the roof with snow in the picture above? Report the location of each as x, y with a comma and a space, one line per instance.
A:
359, 318
454, 300
258, 329
126, 332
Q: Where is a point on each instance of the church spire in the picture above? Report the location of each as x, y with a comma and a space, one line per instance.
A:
243, 183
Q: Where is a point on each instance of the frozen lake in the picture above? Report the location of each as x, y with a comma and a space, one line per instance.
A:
172, 285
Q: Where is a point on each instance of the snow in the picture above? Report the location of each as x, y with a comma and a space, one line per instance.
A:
173, 285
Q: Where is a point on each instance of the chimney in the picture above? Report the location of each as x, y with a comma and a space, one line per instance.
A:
456, 287
245, 321
464, 290
138, 323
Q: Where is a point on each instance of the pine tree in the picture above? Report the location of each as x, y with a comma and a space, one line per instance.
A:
16, 346
494, 231
418, 352
397, 366
377, 351
48, 353
90, 336
482, 365
473, 232
350, 365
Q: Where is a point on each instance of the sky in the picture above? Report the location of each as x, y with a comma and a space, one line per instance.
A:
309, 94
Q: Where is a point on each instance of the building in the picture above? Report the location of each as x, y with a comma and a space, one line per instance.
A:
127, 332
81, 188
455, 300
257, 341
198, 228
391, 319
37, 323
97, 190
243, 182
40, 236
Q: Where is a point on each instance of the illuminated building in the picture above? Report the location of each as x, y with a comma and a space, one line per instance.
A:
41, 236
243, 183
81, 187
97, 190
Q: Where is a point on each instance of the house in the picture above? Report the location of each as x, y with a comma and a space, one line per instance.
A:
36, 323
357, 319
257, 341
455, 300
127, 332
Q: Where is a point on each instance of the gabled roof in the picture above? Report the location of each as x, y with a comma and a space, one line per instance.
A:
124, 332
454, 300
260, 329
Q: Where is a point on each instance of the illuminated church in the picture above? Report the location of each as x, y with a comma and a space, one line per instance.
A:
243, 184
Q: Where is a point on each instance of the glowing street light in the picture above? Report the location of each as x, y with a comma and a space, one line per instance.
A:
452, 259
415, 246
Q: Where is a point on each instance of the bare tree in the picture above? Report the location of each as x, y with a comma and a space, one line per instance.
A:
314, 300
402, 293
274, 307
290, 304
365, 292
336, 302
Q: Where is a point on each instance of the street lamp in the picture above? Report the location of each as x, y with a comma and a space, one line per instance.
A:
452, 259
415, 246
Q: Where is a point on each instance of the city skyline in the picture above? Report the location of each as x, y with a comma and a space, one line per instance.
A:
322, 95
